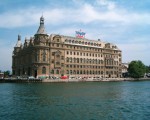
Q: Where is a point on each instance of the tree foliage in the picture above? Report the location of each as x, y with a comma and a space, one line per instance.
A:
147, 69
7, 73
136, 69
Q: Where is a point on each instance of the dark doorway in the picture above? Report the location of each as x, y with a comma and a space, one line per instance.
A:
29, 70
19, 72
35, 73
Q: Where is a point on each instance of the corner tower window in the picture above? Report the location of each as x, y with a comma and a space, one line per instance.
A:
36, 57
44, 55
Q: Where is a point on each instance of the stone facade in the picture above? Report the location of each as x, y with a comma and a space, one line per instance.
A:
58, 55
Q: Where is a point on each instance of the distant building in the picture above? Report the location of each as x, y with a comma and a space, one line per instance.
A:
125, 69
1, 75
58, 55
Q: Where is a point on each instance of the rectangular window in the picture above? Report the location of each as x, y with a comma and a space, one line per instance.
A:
57, 63
53, 53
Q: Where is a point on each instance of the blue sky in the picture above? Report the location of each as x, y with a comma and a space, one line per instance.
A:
125, 23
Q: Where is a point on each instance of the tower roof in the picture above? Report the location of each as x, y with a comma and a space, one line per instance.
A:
41, 29
18, 44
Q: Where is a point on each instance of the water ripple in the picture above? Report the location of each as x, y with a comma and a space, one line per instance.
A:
76, 101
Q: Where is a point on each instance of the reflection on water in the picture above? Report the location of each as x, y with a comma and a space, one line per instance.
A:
75, 101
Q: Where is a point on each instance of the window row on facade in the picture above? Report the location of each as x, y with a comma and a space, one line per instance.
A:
83, 54
83, 42
87, 48
91, 61
75, 47
90, 66
90, 54
86, 72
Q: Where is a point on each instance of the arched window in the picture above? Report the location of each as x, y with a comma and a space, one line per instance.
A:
71, 72
66, 40
77, 60
57, 71
57, 56
52, 71
44, 70
67, 59
74, 72
80, 60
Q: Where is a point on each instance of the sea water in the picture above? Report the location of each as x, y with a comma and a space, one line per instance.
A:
75, 101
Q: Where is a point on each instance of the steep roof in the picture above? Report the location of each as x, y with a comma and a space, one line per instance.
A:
41, 29
18, 44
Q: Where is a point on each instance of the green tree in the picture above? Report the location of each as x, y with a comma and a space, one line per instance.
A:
136, 69
6, 73
147, 69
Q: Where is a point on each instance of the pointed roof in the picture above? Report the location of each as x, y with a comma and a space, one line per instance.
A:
18, 44
41, 29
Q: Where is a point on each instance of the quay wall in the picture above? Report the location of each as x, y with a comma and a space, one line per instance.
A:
8, 80
95, 80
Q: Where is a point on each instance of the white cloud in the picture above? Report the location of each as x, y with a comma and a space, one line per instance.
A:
86, 13
108, 4
112, 24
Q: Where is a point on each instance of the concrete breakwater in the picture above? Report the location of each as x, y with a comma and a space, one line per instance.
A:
9, 80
